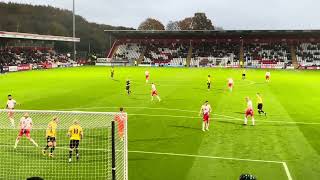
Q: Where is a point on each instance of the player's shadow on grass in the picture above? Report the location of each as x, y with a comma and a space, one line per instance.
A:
186, 127
239, 112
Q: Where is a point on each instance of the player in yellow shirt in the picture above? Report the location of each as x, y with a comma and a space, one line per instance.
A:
209, 82
51, 135
260, 104
76, 134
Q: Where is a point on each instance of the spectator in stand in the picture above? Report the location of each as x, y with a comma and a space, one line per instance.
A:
1, 68
14, 56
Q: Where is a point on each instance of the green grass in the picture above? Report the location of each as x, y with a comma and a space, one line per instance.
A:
291, 96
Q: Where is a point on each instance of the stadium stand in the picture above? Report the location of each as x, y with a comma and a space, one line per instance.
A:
128, 51
172, 53
272, 54
308, 54
279, 49
24, 58
208, 53
24, 51
16, 56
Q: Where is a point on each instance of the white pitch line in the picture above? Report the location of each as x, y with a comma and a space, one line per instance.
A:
164, 115
226, 118
208, 157
287, 170
57, 111
132, 107
251, 83
66, 148
176, 154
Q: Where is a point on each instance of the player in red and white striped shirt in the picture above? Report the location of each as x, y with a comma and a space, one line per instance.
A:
147, 76
11, 103
205, 112
230, 84
154, 92
249, 112
268, 75
25, 129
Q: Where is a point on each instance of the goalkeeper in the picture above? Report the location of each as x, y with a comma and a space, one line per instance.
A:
120, 119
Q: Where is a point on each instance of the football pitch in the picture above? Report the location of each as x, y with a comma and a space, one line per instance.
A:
165, 138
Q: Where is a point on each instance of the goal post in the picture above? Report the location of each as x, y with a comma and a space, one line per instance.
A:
102, 152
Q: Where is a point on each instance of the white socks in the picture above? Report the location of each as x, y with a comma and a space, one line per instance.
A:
205, 126
246, 121
157, 98
16, 144
12, 122
31, 140
34, 142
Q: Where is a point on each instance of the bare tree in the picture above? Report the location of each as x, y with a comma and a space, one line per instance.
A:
173, 26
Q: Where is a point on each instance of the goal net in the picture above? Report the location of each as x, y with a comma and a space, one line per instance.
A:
102, 151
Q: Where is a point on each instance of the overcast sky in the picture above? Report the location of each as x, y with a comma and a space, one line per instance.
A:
230, 14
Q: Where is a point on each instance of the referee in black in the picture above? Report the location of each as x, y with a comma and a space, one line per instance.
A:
128, 86
260, 104
244, 74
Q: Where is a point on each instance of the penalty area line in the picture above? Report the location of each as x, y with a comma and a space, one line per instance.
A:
207, 157
225, 117
284, 164
286, 169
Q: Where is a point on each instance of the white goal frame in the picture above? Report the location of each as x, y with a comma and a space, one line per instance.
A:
123, 152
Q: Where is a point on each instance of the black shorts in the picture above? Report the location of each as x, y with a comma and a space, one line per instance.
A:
243, 75
127, 88
74, 144
209, 84
51, 139
260, 105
